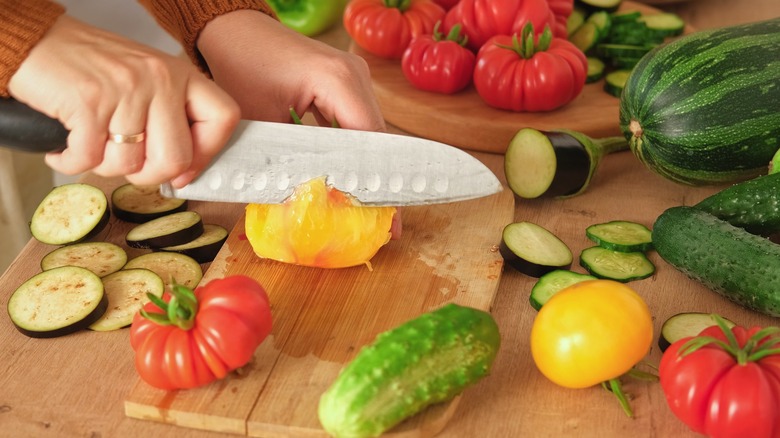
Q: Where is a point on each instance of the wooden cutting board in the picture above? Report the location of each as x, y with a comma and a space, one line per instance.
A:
447, 253
464, 120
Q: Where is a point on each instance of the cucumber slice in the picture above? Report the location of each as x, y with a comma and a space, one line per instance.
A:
139, 204
616, 265
102, 258
595, 70
169, 230
623, 236
57, 302
625, 16
170, 266
603, 21
553, 282
205, 247
575, 20
70, 213
127, 291
586, 36
622, 51
597, 5
533, 250
683, 325
664, 24
616, 81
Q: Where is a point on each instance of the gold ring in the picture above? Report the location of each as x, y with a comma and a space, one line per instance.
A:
126, 139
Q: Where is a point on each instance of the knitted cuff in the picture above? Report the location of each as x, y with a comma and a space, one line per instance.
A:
22, 24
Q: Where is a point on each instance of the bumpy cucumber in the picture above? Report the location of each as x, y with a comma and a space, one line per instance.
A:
743, 267
753, 205
427, 360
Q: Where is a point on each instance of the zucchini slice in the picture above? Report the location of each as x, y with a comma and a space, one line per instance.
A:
552, 282
623, 236
170, 266
70, 213
533, 250
127, 291
102, 258
139, 204
615, 81
169, 230
205, 247
57, 302
616, 265
683, 325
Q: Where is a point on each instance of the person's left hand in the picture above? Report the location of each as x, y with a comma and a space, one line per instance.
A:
268, 68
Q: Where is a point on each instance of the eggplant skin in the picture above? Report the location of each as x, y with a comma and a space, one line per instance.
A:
573, 165
525, 266
77, 326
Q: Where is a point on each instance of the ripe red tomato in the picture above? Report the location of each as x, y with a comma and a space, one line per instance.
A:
439, 64
725, 382
514, 74
386, 27
201, 335
484, 19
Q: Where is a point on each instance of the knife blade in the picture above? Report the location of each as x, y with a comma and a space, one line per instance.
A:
264, 161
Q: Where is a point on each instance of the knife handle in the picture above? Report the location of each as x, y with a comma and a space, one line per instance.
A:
25, 129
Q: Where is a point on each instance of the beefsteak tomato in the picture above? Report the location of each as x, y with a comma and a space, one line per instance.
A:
386, 27
439, 64
725, 382
483, 19
190, 338
518, 75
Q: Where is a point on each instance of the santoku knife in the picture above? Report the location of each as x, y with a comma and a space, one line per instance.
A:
264, 161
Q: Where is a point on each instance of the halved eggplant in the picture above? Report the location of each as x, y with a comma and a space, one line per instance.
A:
533, 250
557, 163
57, 302
139, 204
102, 258
685, 324
70, 213
127, 291
169, 230
205, 247
170, 266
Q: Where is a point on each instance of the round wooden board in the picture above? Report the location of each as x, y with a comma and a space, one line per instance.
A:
465, 121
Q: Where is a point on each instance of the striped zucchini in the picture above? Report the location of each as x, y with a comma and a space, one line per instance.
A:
703, 109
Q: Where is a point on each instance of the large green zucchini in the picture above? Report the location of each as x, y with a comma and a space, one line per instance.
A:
705, 108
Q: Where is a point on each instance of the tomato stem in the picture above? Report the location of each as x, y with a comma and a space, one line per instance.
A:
399, 4
527, 45
180, 310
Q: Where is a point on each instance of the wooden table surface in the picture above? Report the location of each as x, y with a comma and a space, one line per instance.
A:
48, 390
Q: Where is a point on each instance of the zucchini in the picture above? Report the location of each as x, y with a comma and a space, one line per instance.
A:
557, 163
57, 302
616, 81
703, 109
753, 205
127, 292
70, 213
533, 250
205, 247
102, 258
169, 230
740, 266
139, 204
553, 282
427, 360
684, 325
170, 266
623, 236
616, 265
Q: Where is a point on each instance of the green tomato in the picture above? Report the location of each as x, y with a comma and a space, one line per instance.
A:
309, 17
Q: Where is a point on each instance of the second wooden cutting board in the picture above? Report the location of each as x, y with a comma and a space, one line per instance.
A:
447, 253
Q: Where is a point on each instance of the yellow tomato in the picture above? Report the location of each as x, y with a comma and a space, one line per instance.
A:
591, 332
318, 226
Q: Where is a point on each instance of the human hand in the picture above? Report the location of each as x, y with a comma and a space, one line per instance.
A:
269, 68
97, 83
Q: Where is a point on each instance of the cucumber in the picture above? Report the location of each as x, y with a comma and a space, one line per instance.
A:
703, 109
427, 360
616, 81
575, 20
753, 204
684, 325
600, 5
616, 265
553, 282
70, 213
139, 204
169, 230
595, 70
586, 36
533, 250
740, 266
170, 266
664, 24
127, 291
623, 236
102, 258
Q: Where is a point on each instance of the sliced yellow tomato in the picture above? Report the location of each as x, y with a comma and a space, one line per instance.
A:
318, 226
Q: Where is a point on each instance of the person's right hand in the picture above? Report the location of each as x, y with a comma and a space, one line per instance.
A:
98, 83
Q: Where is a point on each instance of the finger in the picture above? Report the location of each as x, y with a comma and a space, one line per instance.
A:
85, 144
125, 151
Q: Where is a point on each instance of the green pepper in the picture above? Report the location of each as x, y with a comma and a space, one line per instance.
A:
309, 17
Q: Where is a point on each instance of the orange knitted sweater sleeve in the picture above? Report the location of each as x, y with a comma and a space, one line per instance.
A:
22, 24
184, 19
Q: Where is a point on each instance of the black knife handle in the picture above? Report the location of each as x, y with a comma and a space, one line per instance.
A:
25, 129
